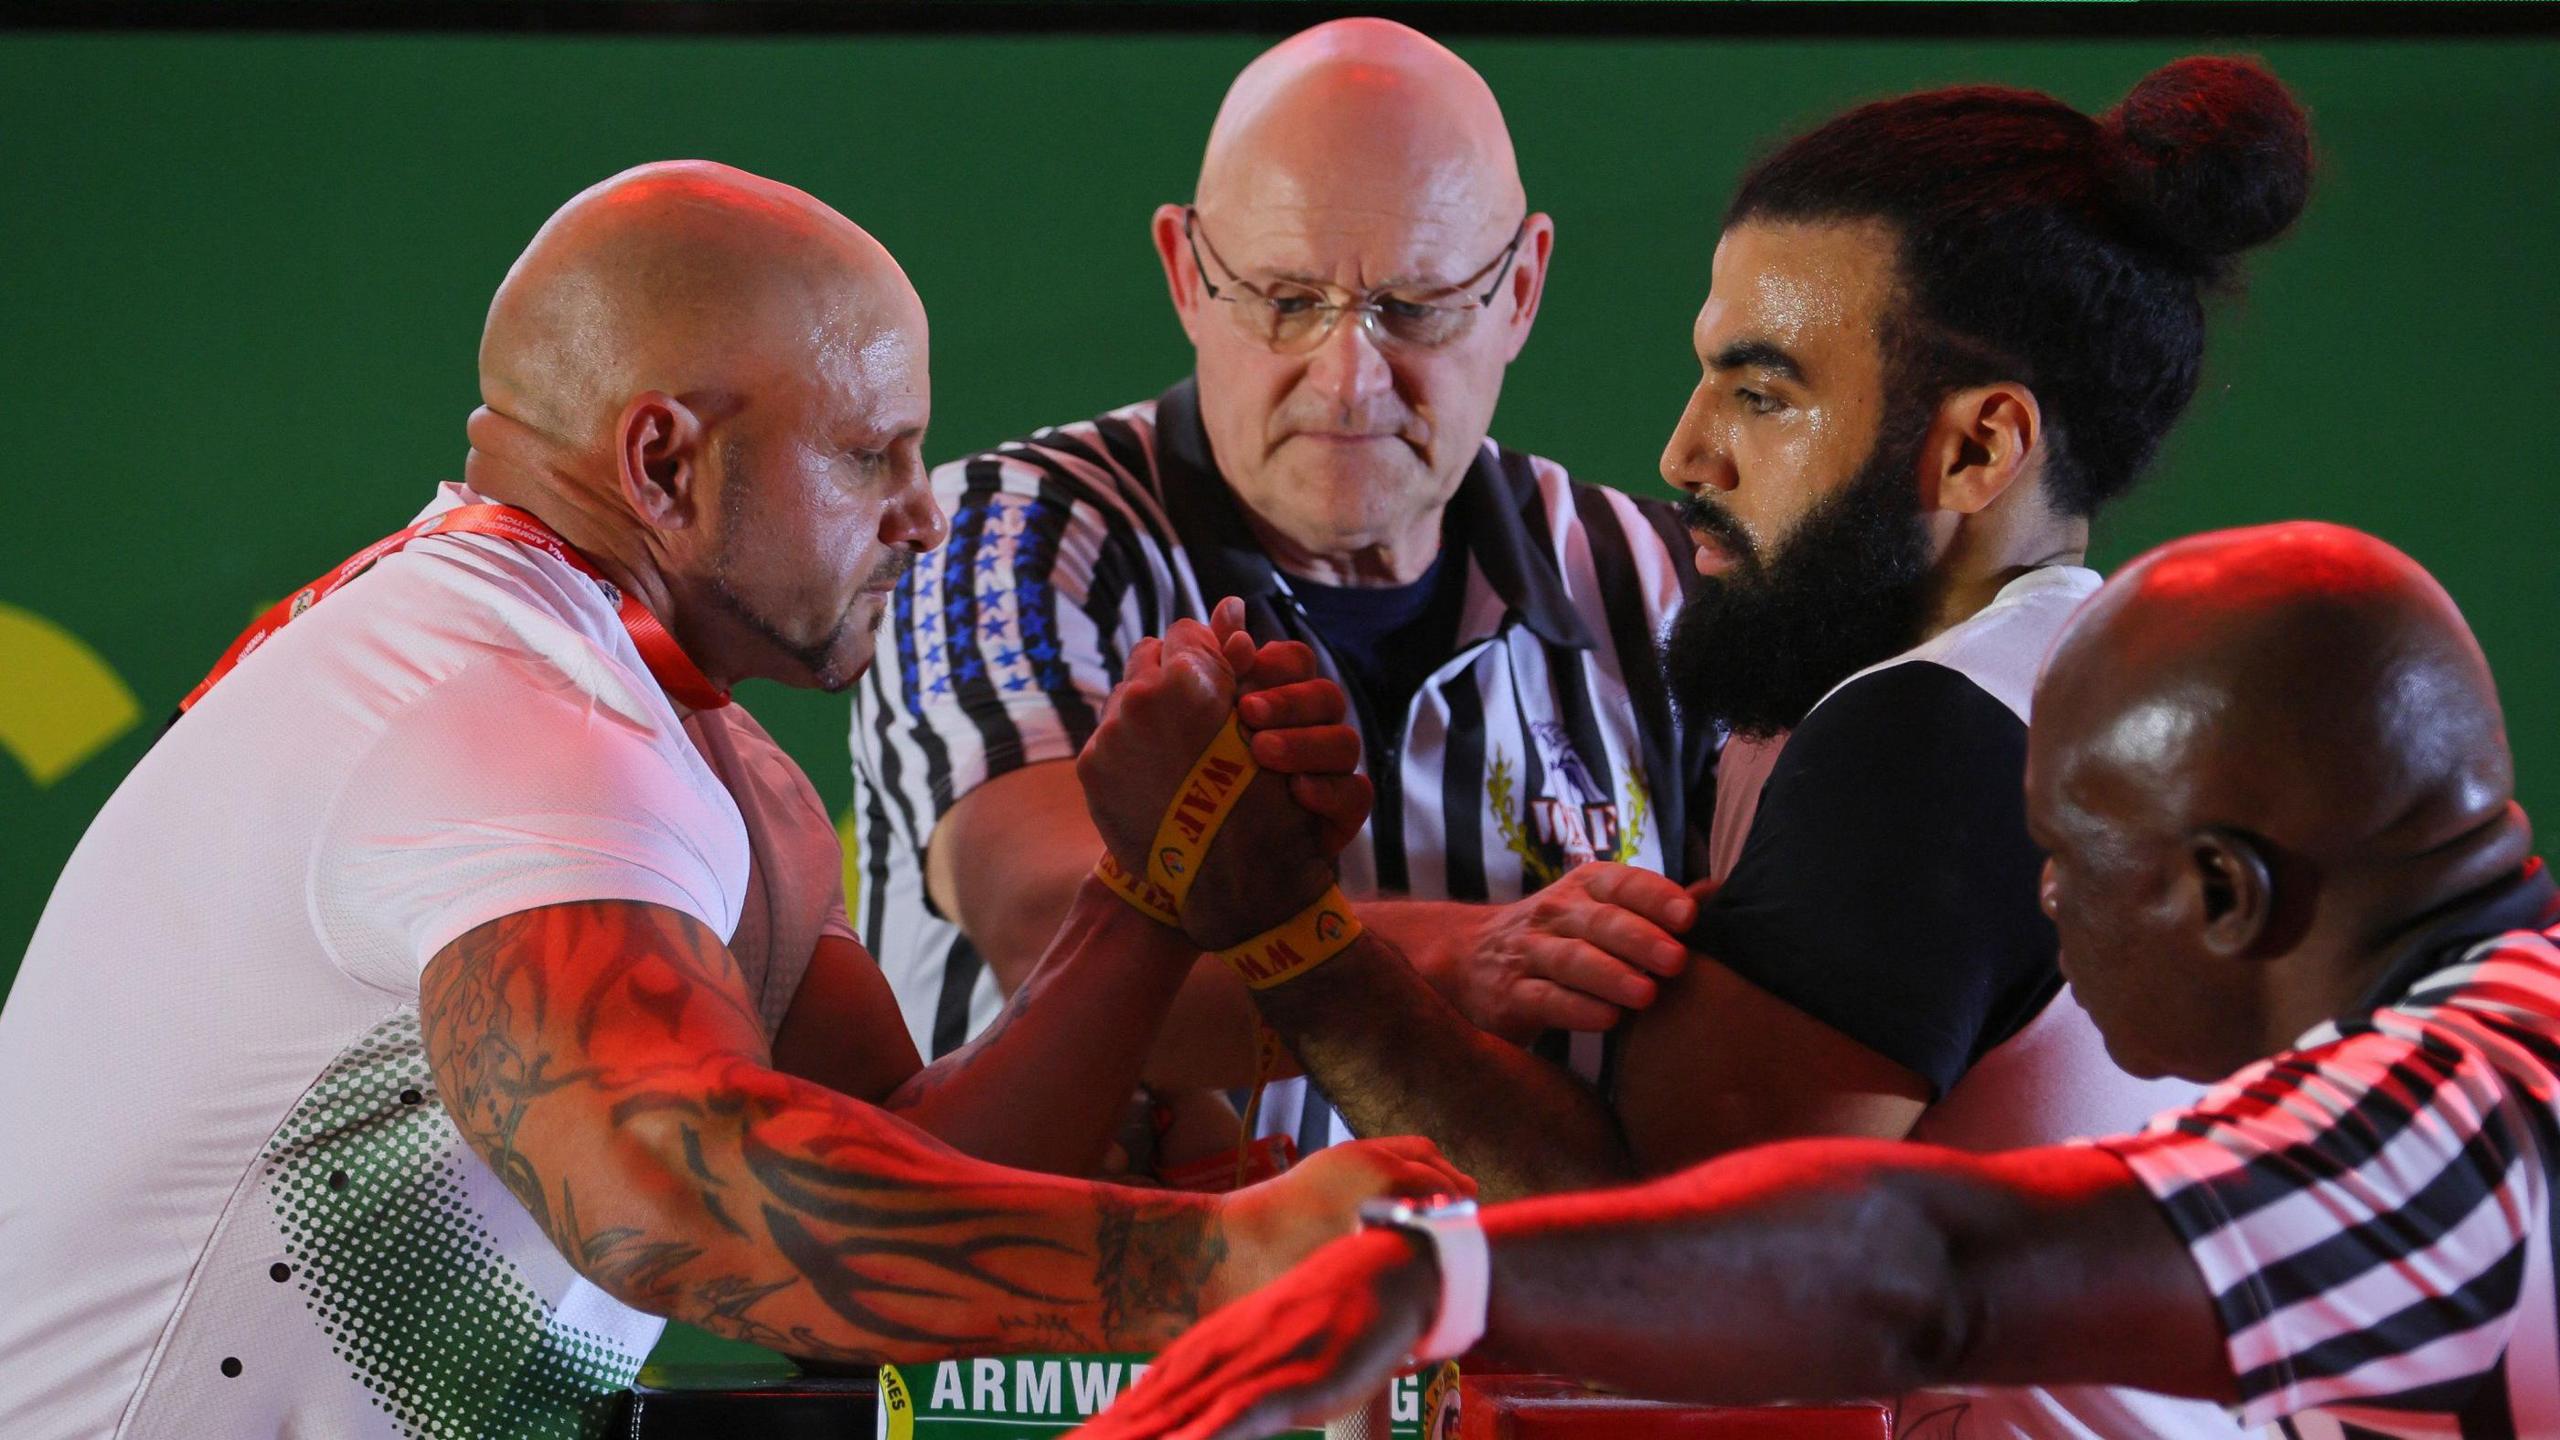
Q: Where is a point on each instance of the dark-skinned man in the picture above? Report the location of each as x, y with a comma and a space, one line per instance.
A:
1942, 332
462, 984
2273, 774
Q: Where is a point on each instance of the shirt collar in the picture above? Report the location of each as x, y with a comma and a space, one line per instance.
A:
2526, 900
1486, 522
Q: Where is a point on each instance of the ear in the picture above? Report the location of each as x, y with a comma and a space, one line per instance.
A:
1979, 444
657, 452
2235, 890
1527, 281
1181, 277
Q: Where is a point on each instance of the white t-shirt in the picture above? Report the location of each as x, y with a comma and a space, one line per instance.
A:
232, 1204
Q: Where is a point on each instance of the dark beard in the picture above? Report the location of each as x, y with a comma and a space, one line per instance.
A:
1849, 586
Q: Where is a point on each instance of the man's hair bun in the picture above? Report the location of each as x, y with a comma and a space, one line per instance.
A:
2211, 156
2068, 252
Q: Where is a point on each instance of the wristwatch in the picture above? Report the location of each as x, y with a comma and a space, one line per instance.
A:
1449, 1226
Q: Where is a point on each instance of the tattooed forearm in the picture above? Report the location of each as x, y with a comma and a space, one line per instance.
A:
1155, 1262
602, 1059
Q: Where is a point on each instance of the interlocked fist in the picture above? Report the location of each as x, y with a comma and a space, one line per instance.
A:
1274, 855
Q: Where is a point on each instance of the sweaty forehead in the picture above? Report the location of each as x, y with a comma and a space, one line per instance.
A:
868, 357
1817, 291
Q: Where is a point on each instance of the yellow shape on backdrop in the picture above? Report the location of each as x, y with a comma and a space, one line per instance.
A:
59, 702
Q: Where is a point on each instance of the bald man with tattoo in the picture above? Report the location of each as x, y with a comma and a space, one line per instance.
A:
462, 986
2272, 774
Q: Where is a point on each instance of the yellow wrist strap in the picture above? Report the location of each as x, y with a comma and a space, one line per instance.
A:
1200, 806
1152, 900
1295, 946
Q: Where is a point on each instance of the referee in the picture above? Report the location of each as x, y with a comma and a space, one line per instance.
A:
1357, 269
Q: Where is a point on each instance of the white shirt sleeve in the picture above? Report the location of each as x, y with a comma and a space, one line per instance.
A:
2361, 1212
506, 788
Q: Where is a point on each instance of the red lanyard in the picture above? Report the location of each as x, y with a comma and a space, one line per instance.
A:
666, 660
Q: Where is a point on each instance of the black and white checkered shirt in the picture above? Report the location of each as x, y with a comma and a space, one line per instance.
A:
1544, 739
2372, 1209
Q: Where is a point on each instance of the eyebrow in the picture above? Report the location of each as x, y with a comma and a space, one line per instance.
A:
1757, 355
1317, 282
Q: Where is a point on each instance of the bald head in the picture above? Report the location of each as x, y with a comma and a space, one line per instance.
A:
2304, 682
1366, 118
2262, 761
716, 387
687, 277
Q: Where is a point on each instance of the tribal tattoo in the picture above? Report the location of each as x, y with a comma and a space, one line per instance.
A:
604, 1060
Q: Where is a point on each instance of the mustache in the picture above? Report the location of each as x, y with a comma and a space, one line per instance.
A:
1369, 418
1708, 518
891, 570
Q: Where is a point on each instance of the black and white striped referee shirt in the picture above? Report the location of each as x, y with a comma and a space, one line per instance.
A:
2372, 1209
1546, 738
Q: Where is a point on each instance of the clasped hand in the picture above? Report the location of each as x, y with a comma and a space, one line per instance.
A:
1275, 853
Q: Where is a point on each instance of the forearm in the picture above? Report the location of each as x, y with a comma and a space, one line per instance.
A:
1046, 1085
1397, 1059
603, 1060
1819, 1270
1209, 1039
1211, 1034
767, 1209
1428, 933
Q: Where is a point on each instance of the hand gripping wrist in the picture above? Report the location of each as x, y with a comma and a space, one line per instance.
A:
1201, 805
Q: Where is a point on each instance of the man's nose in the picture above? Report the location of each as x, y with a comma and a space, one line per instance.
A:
1347, 366
1696, 458
914, 517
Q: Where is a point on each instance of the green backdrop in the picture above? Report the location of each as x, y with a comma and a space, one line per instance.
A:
244, 277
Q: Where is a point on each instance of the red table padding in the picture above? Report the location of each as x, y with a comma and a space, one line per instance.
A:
1541, 1407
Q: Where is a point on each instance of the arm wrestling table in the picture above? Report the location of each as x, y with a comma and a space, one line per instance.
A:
775, 1403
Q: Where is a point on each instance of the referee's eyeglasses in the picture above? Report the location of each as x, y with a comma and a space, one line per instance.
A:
1292, 316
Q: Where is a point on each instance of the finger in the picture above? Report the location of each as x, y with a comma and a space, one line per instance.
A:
1189, 634
1241, 655
1316, 750
1177, 1386
1629, 937
1419, 1154
1196, 678
1656, 897
1227, 617
1340, 801
1283, 662
1256, 1411
1303, 702
1210, 1398
1143, 658
1545, 1005
1583, 966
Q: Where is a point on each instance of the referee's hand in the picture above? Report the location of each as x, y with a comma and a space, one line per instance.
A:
1577, 955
